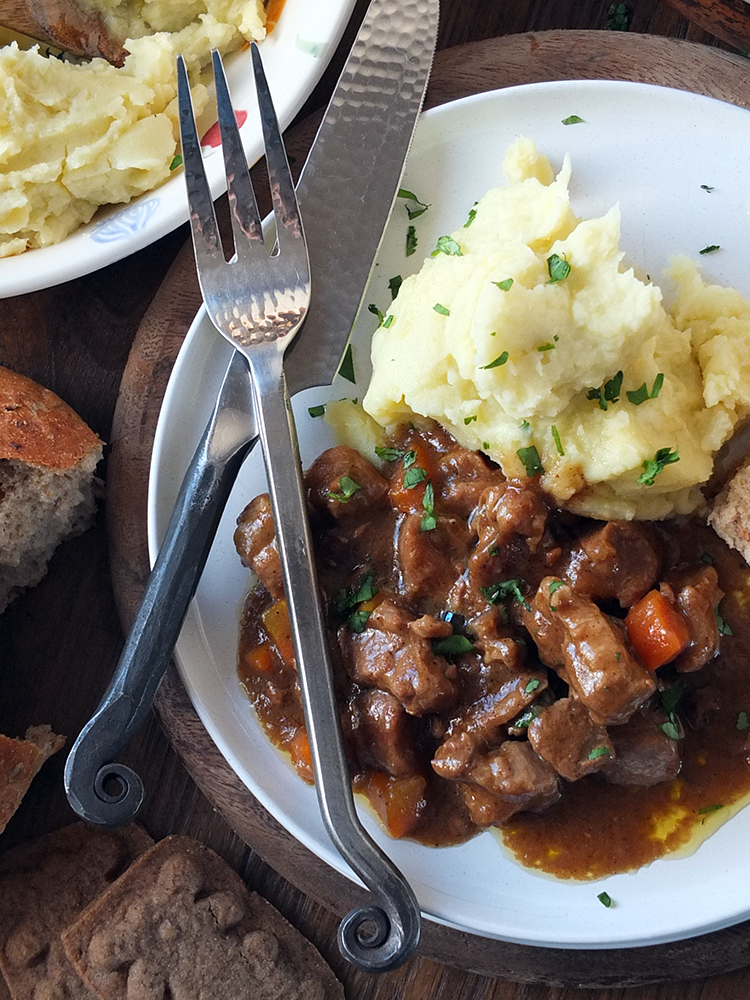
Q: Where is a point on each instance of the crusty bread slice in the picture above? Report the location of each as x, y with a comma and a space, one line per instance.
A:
20, 761
730, 513
47, 461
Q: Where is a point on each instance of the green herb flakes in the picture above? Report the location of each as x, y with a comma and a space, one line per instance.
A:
472, 216
452, 645
608, 393
653, 466
556, 439
532, 685
416, 208
558, 269
441, 309
347, 489
723, 627
669, 728
497, 363
346, 369
604, 897
176, 162
598, 752
409, 459
572, 120
506, 588
555, 585
742, 721
641, 394
388, 454
710, 809
709, 249
505, 285
411, 241
619, 17
346, 605
447, 245
316, 411
470, 420
394, 285
376, 312
413, 477
707, 558
531, 461
546, 347
429, 521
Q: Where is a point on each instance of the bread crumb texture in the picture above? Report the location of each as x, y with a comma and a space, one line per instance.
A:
181, 924
77, 136
20, 761
47, 460
519, 354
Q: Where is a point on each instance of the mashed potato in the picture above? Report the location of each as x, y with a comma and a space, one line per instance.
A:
77, 136
514, 340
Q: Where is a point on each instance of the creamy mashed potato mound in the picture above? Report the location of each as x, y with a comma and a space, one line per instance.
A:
77, 136
562, 339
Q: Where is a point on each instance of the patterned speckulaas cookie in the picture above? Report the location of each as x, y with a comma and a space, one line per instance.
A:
44, 885
180, 923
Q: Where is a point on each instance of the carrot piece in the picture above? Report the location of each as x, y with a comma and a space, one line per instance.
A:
399, 802
273, 13
409, 499
276, 624
656, 630
299, 748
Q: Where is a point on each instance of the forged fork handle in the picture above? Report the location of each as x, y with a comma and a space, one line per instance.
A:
378, 937
99, 789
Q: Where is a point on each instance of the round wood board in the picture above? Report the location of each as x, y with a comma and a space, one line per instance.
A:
458, 72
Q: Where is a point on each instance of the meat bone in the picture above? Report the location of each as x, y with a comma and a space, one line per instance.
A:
63, 25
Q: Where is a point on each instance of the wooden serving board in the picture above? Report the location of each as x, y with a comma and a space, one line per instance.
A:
458, 72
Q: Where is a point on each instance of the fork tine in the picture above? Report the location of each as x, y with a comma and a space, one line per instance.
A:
206, 239
246, 224
289, 233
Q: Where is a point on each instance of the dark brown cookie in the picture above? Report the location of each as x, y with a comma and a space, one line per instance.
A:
44, 885
180, 923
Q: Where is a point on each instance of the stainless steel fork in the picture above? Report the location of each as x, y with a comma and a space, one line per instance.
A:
258, 302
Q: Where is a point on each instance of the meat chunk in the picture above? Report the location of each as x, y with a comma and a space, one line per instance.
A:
511, 779
428, 563
565, 735
618, 560
363, 486
383, 732
502, 693
391, 655
464, 477
696, 594
588, 651
255, 541
494, 641
644, 754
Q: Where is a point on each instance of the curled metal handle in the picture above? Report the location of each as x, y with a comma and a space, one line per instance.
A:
98, 789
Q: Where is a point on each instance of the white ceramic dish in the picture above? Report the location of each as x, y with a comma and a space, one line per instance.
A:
295, 55
652, 149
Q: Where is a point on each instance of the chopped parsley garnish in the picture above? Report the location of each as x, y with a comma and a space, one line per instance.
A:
376, 312
669, 700
389, 454
499, 360
176, 162
505, 285
447, 245
525, 425
710, 248
604, 897
742, 721
653, 466
347, 489
558, 269
441, 309
598, 752
707, 187
710, 809
506, 588
723, 627
669, 728
346, 605
572, 120
413, 477
472, 216
619, 16
429, 521
556, 439
549, 346
409, 459
316, 411
707, 558
532, 685
419, 206
452, 645
411, 241
347, 366
555, 585
608, 393
470, 420
641, 394
531, 461
394, 285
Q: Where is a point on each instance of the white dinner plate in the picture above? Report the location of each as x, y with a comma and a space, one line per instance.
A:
654, 150
294, 56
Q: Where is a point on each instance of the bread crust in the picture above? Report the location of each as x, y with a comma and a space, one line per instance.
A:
730, 515
37, 427
20, 760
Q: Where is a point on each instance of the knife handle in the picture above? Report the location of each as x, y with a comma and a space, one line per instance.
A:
99, 789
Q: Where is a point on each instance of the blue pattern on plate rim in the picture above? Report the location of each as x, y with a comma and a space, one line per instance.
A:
127, 222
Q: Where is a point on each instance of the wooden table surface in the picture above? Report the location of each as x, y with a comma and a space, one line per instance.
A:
60, 642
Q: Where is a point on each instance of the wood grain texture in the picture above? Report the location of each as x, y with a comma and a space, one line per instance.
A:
459, 71
728, 20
